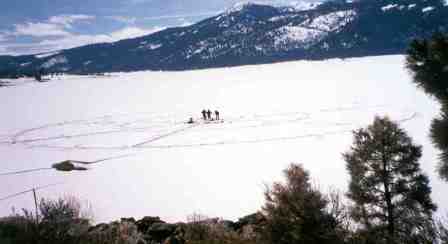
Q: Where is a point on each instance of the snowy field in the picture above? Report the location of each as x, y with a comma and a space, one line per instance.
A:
272, 115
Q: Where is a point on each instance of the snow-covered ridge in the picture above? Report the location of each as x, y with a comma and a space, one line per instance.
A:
53, 61
281, 17
296, 34
401, 7
45, 55
294, 5
389, 7
237, 7
312, 30
149, 46
154, 46
332, 21
427, 9
302, 5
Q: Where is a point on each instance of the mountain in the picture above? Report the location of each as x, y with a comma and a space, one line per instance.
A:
252, 34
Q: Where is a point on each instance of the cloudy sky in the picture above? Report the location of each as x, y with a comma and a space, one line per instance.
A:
35, 26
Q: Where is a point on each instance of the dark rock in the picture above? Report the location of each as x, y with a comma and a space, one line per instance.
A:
255, 219
144, 223
174, 240
132, 220
228, 224
99, 227
161, 231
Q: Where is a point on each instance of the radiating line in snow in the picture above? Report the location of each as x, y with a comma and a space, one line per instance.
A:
24, 171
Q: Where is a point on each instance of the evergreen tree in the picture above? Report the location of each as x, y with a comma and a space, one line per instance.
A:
297, 213
390, 193
428, 62
38, 76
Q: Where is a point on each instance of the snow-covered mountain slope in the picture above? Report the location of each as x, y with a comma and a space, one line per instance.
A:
272, 115
254, 33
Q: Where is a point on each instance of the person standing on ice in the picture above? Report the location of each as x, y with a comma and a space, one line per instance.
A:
204, 114
217, 114
209, 114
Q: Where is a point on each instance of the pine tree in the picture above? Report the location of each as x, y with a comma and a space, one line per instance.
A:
428, 62
297, 213
38, 76
390, 193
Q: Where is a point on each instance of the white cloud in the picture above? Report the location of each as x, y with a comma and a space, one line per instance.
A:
68, 20
73, 41
22, 49
3, 37
180, 16
3, 49
70, 41
185, 22
80, 40
56, 33
132, 32
137, 1
132, 20
123, 19
39, 30
54, 26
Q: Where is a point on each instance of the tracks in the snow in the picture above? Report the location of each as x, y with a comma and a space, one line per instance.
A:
165, 135
156, 127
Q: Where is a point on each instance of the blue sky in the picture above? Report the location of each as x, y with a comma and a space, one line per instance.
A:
36, 26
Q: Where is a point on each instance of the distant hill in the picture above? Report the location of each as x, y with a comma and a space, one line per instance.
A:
253, 34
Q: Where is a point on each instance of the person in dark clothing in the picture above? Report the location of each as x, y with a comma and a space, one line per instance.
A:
217, 114
209, 114
204, 114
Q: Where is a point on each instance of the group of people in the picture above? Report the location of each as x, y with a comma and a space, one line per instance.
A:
207, 114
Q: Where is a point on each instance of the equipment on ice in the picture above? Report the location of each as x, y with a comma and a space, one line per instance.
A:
70, 165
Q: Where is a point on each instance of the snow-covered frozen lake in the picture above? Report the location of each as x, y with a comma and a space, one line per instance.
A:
272, 115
